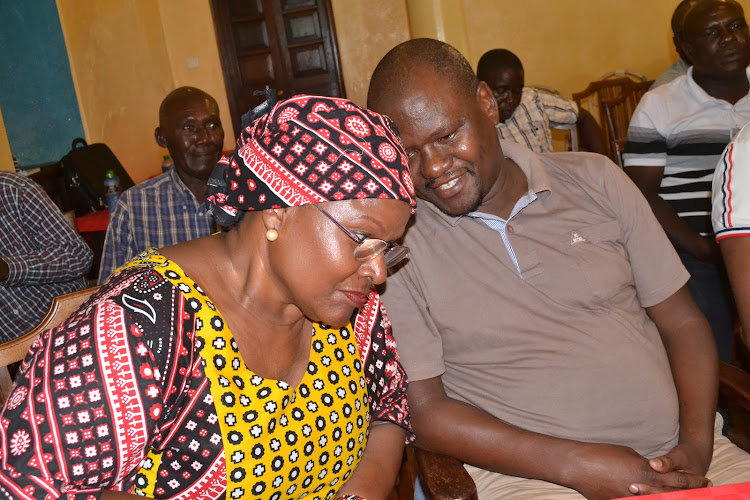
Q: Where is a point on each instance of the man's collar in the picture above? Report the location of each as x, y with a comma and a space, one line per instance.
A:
702, 95
184, 191
530, 164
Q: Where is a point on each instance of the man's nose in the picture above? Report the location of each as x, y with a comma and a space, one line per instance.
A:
434, 162
202, 134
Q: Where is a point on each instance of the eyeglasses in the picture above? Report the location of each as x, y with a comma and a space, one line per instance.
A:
369, 248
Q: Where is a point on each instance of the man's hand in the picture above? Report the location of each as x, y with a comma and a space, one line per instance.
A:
681, 458
603, 471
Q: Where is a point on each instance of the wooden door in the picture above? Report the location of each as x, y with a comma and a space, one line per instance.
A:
289, 45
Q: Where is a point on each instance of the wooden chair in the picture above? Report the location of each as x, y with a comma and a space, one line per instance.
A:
16, 349
734, 391
444, 478
617, 111
591, 99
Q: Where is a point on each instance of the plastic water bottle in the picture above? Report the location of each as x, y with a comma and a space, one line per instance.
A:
167, 163
111, 189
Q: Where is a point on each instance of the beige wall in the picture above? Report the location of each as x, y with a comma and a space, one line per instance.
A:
6, 158
121, 72
125, 57
366, 30
196, 45
565, 44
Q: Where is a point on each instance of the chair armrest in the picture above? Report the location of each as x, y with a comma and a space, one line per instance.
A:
734, 384
443, 477
734, 395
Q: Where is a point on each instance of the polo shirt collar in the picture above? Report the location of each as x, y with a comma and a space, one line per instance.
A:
702, 96
530, 164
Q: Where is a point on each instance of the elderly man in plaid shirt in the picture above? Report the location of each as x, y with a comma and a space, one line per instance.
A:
41, 256
168, 209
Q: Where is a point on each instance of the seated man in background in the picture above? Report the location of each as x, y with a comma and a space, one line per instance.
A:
527, 114
542, 317
169, 209
41, 256
675, 138
683, 61
730, 216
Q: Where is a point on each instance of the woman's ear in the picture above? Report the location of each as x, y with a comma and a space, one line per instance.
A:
486, 100
273, 218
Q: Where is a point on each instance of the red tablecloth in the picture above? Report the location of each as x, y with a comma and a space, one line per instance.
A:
94, 221
729, 492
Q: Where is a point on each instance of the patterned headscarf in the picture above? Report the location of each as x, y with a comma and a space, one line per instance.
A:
310, 149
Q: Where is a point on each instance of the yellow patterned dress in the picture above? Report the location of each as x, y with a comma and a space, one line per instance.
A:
144, 390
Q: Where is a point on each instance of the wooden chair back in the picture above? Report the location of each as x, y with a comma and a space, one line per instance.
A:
618, 111
16, 349
591, 98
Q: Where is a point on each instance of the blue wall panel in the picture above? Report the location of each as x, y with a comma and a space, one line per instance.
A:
37, 96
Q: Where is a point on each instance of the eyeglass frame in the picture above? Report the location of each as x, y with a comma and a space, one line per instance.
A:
389, 246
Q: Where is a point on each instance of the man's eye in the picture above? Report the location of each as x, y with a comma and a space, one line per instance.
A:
189, 127
411, 154
448, 137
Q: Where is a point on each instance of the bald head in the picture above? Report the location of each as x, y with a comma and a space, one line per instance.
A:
397, 67
176, 100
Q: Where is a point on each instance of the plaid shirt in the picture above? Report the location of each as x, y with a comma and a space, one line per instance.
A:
157, 213
532, 119
45, 256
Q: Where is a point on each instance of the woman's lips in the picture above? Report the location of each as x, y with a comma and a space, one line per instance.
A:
357, 299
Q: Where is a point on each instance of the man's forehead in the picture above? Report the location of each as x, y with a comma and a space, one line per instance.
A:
188, 106
708, 13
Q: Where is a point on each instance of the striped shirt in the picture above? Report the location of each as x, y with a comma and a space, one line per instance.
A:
680, 127
731, 189
532, 119
45, 256
157, 213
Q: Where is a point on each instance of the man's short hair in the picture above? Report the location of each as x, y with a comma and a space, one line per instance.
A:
178, 94
678, 17
495, 59
444, 59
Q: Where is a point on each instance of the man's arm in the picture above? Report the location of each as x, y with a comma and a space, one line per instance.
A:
592, 137
694, 363
736, 253
52, 251
682, 236
595, 470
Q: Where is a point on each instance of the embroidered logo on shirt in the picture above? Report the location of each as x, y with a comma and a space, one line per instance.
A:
576, 238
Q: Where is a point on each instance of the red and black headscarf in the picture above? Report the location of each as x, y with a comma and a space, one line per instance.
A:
310, 149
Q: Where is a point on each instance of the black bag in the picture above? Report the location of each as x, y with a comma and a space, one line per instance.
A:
84, 169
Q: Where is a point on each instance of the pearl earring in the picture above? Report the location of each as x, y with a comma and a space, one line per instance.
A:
272, 234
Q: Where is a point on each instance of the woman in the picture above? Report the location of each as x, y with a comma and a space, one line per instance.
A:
255, 363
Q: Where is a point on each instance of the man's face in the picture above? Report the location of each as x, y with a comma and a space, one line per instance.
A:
193, 135
717, 41
450, 139
507, 87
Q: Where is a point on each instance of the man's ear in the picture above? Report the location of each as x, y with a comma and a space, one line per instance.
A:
486, 100
684, 48
160, 139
